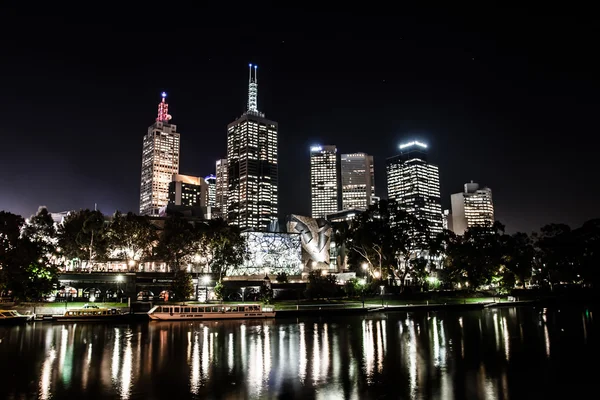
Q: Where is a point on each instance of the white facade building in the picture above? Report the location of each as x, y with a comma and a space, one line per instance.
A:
211, 181
323, 180
471, 208
221, 186
415, 185
160, 160
252, 192
358, 181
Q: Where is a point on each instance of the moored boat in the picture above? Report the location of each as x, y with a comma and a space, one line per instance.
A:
12, 317
91, 313
217, 311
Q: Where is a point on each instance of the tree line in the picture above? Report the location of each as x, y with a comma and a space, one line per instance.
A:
33, 252
393, 246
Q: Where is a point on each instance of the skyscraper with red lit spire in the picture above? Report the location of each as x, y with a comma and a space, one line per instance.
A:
160, 160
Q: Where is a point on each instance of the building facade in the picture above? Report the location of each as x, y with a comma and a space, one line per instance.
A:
472, 208
221, 186
415, 184
211, 182
357, 181
188, 191
252, 166
323, 180
160, 160
270, 253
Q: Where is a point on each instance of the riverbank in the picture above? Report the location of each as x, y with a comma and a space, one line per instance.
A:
329, 309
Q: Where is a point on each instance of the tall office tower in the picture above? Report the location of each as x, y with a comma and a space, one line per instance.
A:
252, 169
473, 207
221, 186
211, 181
358, 181
188, 191
415, 184
160, 160
323, 181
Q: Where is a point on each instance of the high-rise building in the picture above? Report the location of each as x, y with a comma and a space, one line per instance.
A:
221, 186
472, 208
323, 180
211, 181
358, 181
188, 191
415, 184
252, 169
160, 160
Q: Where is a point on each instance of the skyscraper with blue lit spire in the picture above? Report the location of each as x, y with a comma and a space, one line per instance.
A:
160, 160
252, 170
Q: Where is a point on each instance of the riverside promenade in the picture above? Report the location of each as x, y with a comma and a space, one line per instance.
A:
45, 311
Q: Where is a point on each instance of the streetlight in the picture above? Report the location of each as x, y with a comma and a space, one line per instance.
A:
362, 282
365, 266
119, 280
381, 287
206, 281
196, 261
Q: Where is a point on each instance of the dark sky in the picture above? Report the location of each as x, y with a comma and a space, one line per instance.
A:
507, 98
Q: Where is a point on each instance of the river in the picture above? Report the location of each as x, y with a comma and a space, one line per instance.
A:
504, 353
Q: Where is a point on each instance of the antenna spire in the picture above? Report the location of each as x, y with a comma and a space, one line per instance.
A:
252, 90
163, 109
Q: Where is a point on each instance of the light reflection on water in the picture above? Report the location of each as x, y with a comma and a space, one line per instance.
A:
417, 355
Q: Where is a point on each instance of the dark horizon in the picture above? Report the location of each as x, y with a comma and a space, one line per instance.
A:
507, 101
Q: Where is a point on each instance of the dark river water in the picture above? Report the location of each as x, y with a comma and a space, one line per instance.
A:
492, 354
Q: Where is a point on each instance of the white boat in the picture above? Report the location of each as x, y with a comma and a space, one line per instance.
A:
10, 317
90, 313
217, 311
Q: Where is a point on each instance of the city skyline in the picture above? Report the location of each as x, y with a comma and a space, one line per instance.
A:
491, 111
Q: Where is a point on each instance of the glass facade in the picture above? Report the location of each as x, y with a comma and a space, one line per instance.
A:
323, 181
415, 185
358, 181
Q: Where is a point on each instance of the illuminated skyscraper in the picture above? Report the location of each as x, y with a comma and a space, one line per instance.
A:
415, 184
221, 186
473, 207
211, 181
323, 180
252, 174
160, 160
358, 181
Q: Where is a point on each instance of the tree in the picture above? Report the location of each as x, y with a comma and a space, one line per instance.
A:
476, 257
519, 258
588, 251
83, 235
557, 254
24, 264
281, 277
222, 246
41, 230
131, 237
177, 243
266, 293
10, 232
320, 286
183, 285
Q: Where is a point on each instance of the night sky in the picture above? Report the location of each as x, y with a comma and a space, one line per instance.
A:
505, 98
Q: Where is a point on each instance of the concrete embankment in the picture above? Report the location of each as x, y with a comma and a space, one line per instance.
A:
316, 311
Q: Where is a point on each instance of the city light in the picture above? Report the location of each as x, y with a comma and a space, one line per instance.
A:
316, 148
164, 94
413, 143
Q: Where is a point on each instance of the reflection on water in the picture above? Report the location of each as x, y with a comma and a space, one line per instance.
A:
492, 354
